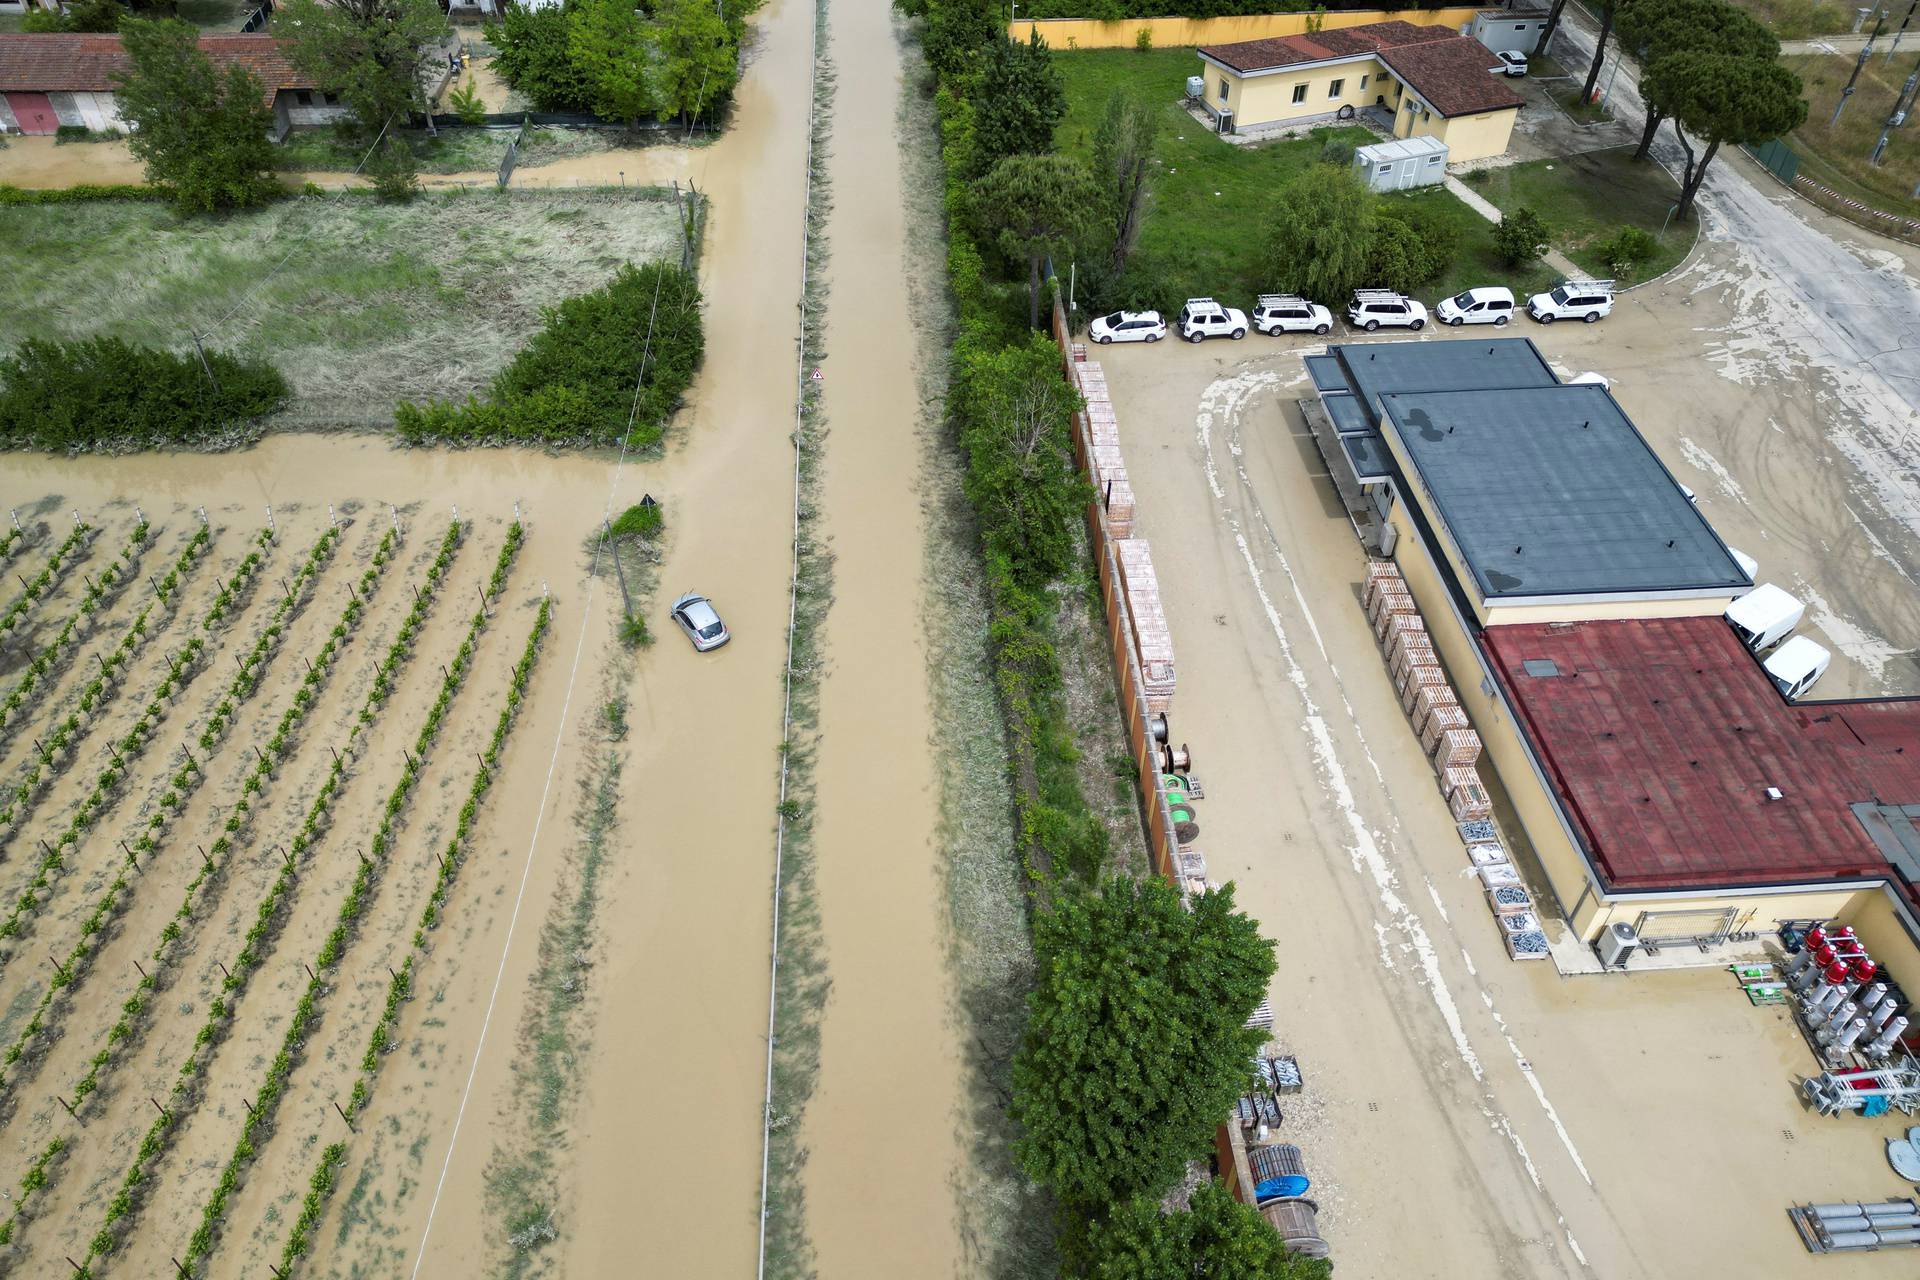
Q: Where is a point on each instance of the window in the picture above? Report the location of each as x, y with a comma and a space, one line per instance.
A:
1299, 93
1386, 168
1519, 26
1223, 88
303, 97
1333, 90
1363, 82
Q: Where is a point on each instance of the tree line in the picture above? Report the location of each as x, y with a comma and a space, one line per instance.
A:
1136, 1045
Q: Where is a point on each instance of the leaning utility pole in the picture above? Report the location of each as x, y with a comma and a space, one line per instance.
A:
1866, 51
1895, 46
1901, 105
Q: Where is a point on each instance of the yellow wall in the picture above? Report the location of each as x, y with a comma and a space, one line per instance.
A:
1886, 939
1082, 33
1573, 611
1477, 137
1505, 756
1263, 99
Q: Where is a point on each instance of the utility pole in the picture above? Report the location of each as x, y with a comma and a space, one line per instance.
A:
1892, 48
1866, 51
1901, 105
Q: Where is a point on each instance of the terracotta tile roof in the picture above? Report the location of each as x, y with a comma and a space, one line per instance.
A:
1451, 72
1288, 51
1455, 76
1661, 737
62, 63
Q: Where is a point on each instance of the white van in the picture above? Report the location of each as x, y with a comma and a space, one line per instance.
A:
1764, 617
1489, 304
1796, 665
1586, 300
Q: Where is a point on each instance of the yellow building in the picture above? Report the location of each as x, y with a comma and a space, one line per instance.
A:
1431, 80
1574, 596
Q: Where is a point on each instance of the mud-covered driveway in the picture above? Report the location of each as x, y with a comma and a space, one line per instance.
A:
1513, 1122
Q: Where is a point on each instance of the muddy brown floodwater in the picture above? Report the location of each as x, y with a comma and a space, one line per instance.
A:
882, 1132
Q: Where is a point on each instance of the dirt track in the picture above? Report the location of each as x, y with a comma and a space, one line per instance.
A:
1515, 1123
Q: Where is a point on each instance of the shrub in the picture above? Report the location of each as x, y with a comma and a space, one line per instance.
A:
1143, 40
641, 520
1521, 237
1626, 250
1409, 248
1337, 152
102, 393
534, 57
574, 383
1322, 233
466, 104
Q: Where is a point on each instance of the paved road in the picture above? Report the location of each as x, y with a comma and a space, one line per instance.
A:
1819, 292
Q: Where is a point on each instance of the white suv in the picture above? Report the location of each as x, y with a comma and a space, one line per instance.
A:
1128, 326
1372, 308
1490, 305
1205, 318
1586, 300
1284, 313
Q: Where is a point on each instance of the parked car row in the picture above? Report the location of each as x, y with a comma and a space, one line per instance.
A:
1369, 309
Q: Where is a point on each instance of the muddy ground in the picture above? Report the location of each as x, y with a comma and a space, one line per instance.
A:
1515, 1122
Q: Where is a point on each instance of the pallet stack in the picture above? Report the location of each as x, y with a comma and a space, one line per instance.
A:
1105, 466
1451, 747
1152, 640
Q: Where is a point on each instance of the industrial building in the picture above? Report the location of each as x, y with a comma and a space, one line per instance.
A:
1573, 592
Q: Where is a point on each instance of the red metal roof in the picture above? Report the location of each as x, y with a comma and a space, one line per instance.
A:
1662, 736
65, 63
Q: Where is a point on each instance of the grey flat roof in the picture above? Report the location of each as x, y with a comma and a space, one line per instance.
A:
1375, 369
1326, 374
1367, 455
1348, 417
1551, 491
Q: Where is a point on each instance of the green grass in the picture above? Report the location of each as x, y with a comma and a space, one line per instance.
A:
1586, 198
1563, 84
326, 150
1799, 19
1838, 157
1209, 198
216, 15
358, 303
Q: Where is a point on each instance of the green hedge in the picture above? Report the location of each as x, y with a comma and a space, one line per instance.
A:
102, 393
574, 383
73, 195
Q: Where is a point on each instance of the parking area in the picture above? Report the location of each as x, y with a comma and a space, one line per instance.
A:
1516, 1122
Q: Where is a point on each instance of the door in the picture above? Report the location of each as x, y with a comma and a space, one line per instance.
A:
33, 112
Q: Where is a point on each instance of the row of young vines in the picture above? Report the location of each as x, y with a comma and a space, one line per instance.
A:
185, 1094
35, 587
321, 970
96, 695
326, 1172
52, 656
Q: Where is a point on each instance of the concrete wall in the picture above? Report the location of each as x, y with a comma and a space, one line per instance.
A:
1267, 97
1084, 33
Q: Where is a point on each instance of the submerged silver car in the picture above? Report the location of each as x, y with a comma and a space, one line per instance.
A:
696, 616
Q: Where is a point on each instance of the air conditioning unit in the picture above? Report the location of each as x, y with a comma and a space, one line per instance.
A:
1616, 944
1226, 122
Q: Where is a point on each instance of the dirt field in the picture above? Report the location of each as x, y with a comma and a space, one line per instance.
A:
359, 304
1514, 1122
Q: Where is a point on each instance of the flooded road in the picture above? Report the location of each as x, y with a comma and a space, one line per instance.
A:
882, 1130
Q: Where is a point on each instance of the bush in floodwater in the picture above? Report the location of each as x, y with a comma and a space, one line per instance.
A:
641, 520
104, 393
574, 383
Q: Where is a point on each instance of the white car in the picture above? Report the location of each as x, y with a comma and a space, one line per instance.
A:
1285, 313
1204, 318
1488, 305
1128, 326
1372, 308
1586, 300
696, 616
1509, 63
